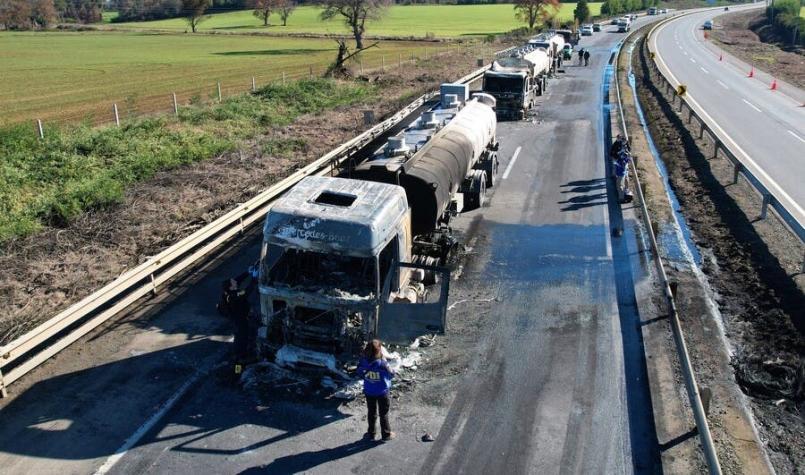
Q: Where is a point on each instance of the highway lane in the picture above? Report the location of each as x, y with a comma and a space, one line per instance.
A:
559, 383
768, 126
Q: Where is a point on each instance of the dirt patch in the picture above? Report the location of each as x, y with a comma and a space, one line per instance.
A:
753, 269
742, 34
45, 273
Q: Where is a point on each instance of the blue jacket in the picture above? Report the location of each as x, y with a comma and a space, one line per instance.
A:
376, 377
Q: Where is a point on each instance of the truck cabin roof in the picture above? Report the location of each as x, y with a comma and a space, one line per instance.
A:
326, 214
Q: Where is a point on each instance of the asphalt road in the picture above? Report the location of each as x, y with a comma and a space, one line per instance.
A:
558, 385
768, 127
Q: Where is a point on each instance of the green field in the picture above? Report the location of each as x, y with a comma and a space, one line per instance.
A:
69, 76
417, 21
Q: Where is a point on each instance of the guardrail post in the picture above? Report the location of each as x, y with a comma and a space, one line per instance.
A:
765, 206
3, 392
715, 148
701, 128
153, 285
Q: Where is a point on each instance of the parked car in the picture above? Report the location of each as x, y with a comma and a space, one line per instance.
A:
567, 51
597, 26
614, 21
587, 30
708, 25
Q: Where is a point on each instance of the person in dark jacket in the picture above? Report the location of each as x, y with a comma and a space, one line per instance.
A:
586, 57
235, 305
377, 376
581, 55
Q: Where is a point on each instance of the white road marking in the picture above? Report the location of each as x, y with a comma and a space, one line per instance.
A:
722, 84
511, 163
692, 60
752, 105
795, 135
703, 70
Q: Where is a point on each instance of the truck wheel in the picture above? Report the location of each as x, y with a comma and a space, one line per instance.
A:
491, 170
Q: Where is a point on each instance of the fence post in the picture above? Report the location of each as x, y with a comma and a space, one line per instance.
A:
283, 78
39, 127
254, 84
765, 206
399, 62
383, 63
361, 65
175, 106
310, 70
117, 116
219, 91
412, 57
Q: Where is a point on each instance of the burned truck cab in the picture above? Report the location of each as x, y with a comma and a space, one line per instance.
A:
327, 248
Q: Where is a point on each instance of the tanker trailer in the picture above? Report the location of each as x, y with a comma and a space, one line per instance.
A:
347, 259
516, 81
553, 45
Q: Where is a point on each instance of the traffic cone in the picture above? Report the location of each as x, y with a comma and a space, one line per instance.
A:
751, 72
773, 84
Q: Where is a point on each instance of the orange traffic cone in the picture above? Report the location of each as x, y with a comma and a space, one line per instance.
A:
751, 72
773, 84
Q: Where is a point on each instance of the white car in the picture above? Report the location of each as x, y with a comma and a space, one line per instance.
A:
587, 30
624, 25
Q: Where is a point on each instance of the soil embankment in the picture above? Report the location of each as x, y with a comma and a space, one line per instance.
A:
748, 36
752, 267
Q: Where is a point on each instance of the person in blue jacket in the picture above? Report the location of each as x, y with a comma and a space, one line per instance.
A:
377, 377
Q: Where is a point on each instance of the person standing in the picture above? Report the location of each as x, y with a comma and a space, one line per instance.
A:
622, 175
586, 57
581, 55
377, 376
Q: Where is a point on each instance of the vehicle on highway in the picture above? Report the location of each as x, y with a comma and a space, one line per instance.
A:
567, 52
516, 81
597, 26
587, 30
569, 36
708, 25
553, 43
652, 11
614, 21
346, 259
726, 9
624, 25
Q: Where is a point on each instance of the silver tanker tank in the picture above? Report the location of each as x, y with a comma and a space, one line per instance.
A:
438, 154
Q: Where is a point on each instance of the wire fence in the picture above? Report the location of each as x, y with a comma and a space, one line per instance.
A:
123, 108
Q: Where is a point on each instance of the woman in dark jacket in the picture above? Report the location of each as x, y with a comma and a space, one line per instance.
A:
377, 377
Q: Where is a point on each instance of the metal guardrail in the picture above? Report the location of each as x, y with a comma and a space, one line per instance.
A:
790, 213
57, 333
699, 413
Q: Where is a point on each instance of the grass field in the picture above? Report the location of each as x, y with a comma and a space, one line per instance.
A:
416, 20
68, 76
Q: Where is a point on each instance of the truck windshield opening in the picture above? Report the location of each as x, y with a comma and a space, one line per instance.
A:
332, 274
498, 84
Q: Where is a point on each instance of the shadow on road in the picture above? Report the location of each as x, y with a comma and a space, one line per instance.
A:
305, 461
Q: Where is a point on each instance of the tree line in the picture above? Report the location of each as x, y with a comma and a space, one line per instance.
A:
616, 7
37, 14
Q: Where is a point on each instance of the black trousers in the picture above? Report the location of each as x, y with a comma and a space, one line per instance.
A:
381, 403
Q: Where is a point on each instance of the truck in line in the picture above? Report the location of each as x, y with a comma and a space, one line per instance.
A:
516, 81
349, 258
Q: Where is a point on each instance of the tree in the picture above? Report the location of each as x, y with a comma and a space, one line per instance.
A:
193, 12
355, 13
611, 7
262, 9
582, 11
532, 11
285, 7
43, 13
15, 14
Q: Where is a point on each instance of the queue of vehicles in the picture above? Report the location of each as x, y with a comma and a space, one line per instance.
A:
363, 254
